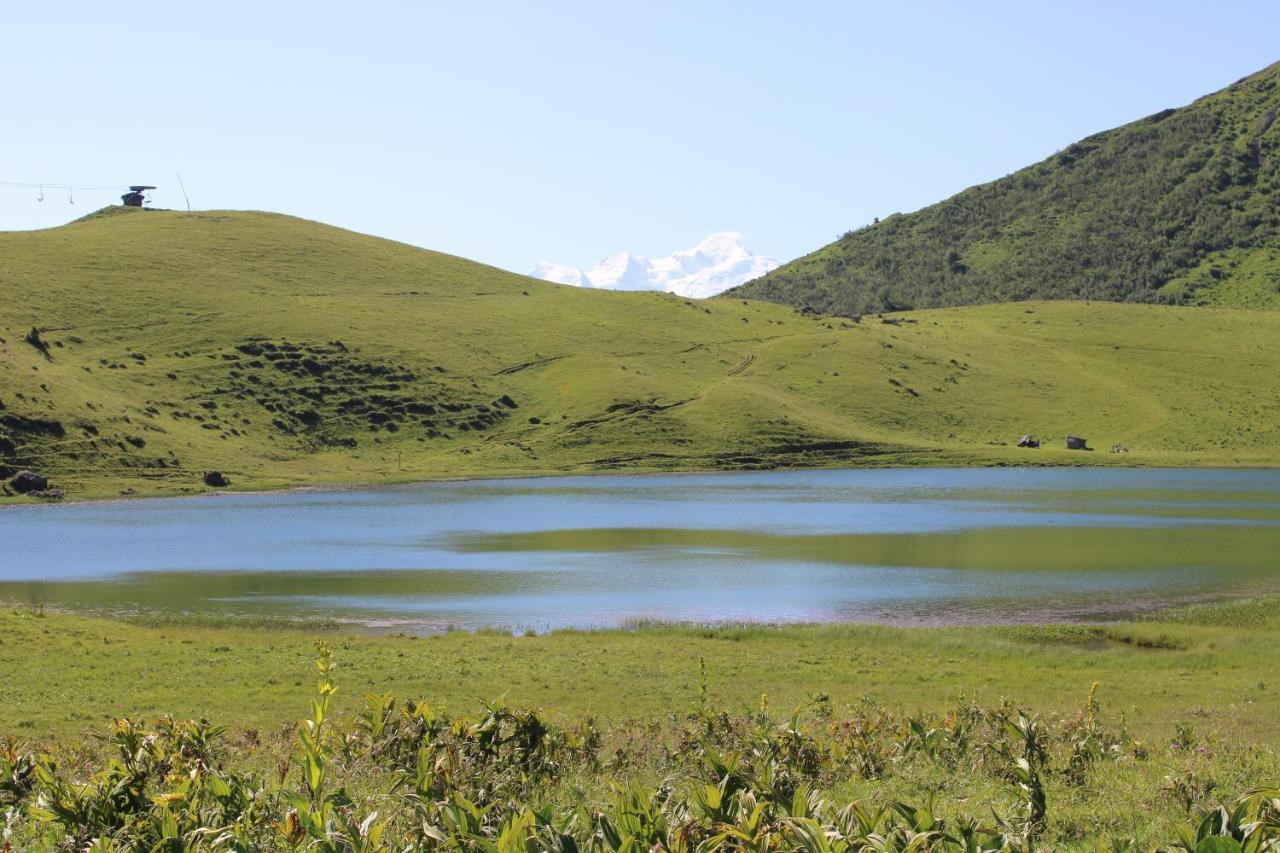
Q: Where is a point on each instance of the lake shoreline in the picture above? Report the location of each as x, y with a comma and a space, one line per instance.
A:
1149, 611
957, 464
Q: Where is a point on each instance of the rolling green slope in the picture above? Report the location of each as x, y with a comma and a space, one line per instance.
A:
284, 352
1181, 207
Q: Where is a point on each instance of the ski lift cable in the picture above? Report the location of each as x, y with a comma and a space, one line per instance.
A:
69, 187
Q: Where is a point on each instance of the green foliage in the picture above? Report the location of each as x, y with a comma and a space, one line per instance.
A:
1254, 612
92, 669
406, 778
1178, 207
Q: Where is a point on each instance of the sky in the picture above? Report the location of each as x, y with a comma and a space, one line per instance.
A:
511, 132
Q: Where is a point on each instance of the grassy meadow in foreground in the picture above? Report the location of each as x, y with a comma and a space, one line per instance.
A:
1013, 737
1213, 664
285, 353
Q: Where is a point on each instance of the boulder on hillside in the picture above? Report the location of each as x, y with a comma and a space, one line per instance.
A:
28, 481
216, 479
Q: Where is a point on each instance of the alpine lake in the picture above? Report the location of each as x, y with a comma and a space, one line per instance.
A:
898, 546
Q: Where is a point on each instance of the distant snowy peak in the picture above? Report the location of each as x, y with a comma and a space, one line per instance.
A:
548, 271
713, 266
623, 271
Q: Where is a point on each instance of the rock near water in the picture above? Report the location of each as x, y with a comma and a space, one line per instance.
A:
25, 482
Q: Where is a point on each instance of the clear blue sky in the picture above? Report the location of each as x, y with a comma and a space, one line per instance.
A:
509, 132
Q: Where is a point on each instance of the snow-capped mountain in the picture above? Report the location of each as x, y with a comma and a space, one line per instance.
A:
714, 265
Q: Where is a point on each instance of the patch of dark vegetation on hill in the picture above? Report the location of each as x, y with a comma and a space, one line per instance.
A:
1116, 217
25, 440
792, 451
52, 446
801, 452
330, 395
31, 427
625, 409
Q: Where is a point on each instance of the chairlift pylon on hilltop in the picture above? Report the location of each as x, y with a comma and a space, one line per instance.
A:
136, 196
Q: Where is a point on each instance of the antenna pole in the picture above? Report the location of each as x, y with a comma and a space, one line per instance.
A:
184, 191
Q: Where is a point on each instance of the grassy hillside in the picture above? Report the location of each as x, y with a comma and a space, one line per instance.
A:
1181, 207
284, 352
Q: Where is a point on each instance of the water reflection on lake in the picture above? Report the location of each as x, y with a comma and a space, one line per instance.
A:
912, 546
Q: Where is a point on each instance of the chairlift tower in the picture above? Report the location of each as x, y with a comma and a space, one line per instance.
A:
136, 196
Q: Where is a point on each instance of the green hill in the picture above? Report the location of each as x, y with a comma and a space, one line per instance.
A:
285, 352
1181, 207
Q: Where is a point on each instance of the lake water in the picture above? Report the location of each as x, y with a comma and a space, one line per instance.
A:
904, 546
